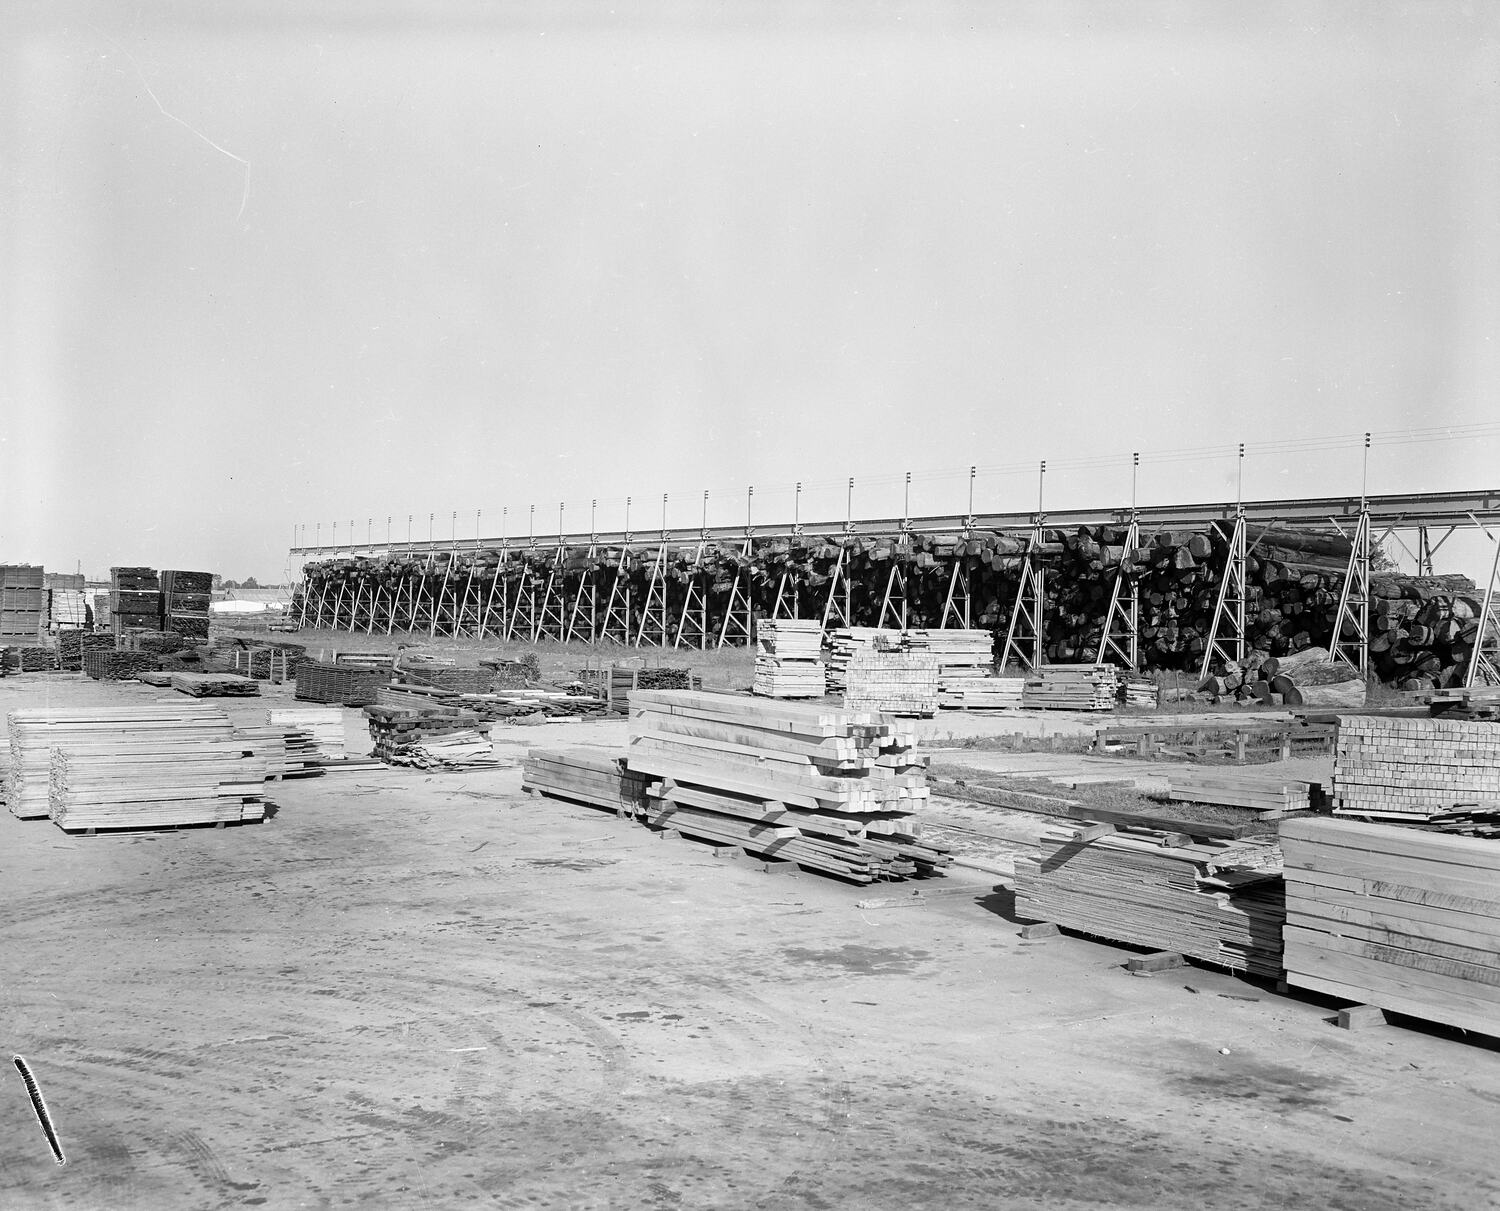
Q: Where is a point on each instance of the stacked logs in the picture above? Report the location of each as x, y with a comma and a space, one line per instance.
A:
1422, 630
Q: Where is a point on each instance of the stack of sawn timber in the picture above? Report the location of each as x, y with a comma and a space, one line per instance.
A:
1267, 793
788, 660
1401, 918
134, 599
185, 600
831, 790
92, 732
21, 593
326, 726
215, 685
107, 664
1216, 901
891, 682
340, 683
962, 656
433, 735
1403, 768
1072, 687
585, 775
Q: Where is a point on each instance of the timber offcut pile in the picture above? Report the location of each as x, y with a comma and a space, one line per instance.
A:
434, 736
1216, 901
585, 775
339, 682
788, 658
35, 731
1403, 768
1072, 687
831, 790
215, 685
21, 602
1404, 919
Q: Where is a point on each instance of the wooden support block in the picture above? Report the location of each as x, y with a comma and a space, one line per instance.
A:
1360, 1017
1162, 960
1042, 929
670, 834
776, 866
1092, 832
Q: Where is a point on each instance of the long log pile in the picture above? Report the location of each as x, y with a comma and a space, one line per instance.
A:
1421, 628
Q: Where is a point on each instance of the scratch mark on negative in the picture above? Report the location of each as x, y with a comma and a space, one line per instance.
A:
42, 1115
245, 193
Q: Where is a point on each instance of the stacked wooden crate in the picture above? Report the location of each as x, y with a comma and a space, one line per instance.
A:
1072, 687
35, 731
325, 725
1403, 768
1268, 793
185, 601
585, 775
1402, 918
1216, 901
788, 660
832, 790
21, 603
134, 599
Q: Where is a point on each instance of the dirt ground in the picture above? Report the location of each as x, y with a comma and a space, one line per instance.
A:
412, 990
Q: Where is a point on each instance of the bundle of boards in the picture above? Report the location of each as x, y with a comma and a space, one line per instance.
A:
339, 682
831, 790
1072, 687
1398, 917
135, 766
788, 658
1216, 901
215, 685
1269, 794
1411, 769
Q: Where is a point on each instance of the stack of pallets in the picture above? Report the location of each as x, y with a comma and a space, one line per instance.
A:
788, 660
1072, 687
1409, 769
1270, 794
35, 731
831, 790
1404, 919
185, 599
21, 603
1216, 901
134, 599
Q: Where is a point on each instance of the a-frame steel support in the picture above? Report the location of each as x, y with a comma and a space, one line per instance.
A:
1226, 636
692, 619
1351, 625
655, 628
739, 610
1025, 638
1120, 638
1484, 660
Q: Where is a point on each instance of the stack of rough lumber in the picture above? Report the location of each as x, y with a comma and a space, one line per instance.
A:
1216, 901
71, 645
962, 656
134, 599
36, 659
844, 642
142, 786
35, 731
105, 664
289, 752
433, 736
891, 682
1072, 687
155, 643
616, 682
21, 601
215, 685
338, 682
503, 704
585, 775
1404, 768
185, 598
1269, 794
1139, 691
445, 676
787, 658
324, 725
1401, 918
983, 693
832, 790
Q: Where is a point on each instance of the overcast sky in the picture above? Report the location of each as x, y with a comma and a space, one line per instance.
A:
356, 260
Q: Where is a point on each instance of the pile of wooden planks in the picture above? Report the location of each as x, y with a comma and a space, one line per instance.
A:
325, 726
832, 790
891, 682
67, 610
788, 660
1401, 918
983, 693
1139, 691
215, 685
445, 676
585, 775
1270, 794
71, 645
843, 642
185, 600
143, 786
106, 664
35, 731
21, 602
35, 659
1402, 768
339, 682
134, 599
1072, 687
962, 656
1216, 901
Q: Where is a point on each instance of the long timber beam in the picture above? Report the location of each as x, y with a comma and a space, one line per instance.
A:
1402, 510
